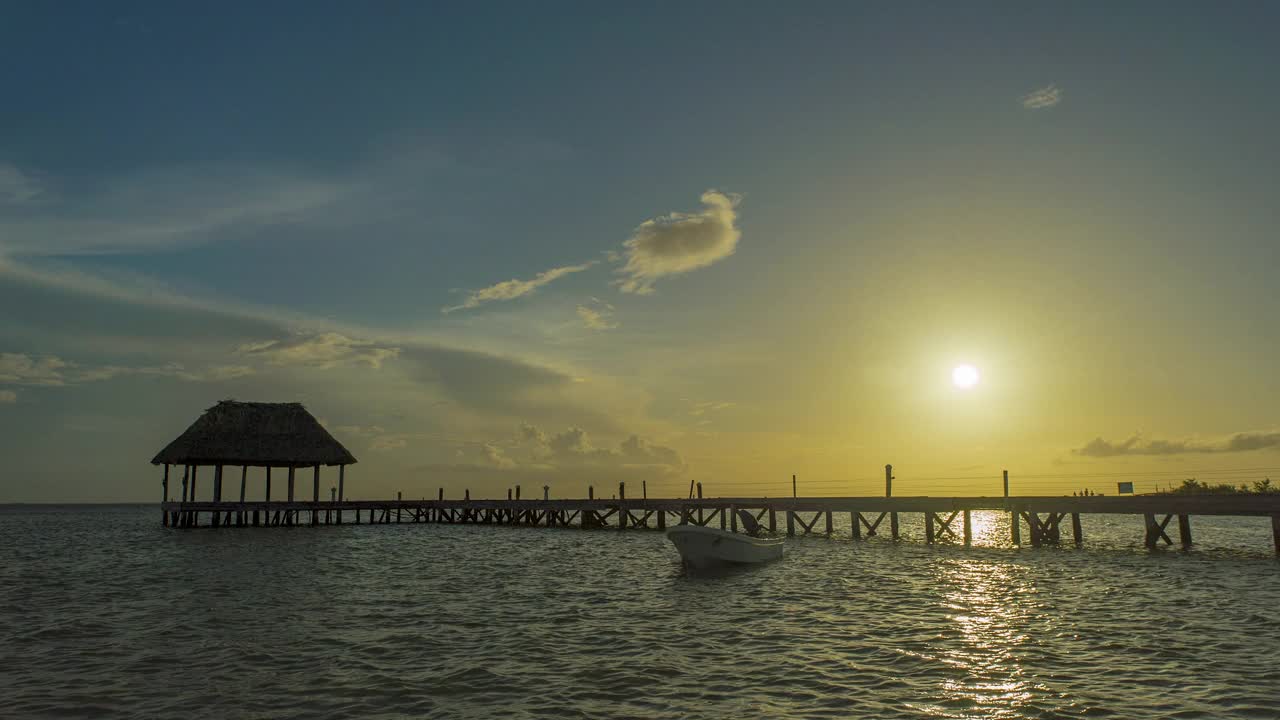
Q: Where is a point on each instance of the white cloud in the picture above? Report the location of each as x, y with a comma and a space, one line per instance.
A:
321, 350
8, 396
514, 288
680, 242
21, 369
573, 448
17, 188
1045, 97
597, 315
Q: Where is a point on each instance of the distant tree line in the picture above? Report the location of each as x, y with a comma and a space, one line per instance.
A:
1192, 486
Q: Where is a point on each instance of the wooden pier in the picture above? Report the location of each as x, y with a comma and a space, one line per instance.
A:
285, 436
946, 519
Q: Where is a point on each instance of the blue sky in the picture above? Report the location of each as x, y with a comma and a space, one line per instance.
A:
278, 203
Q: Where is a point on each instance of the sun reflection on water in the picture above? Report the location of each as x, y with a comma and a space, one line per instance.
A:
985, 606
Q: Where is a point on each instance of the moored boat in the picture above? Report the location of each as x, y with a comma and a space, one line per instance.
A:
703, 547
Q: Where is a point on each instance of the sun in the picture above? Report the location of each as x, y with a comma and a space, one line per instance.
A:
964, 376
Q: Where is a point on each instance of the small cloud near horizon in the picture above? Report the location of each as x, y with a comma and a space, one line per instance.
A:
597, 315
1136, 445
8, 397
1045, 97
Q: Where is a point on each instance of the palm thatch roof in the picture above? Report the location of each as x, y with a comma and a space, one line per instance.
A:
251, 433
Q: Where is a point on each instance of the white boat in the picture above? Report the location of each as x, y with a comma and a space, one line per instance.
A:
703, 547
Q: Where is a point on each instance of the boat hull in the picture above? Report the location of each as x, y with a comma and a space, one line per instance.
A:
702, 547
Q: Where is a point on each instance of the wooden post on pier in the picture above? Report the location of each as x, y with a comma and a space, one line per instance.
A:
855, 525
928, 528
546, 492
644, 489
440, 495
700, 520
828, 523
1077, 532
517, 492
791, 523
888, 492
1184, 530
622, 490
793, 486
591, 493
400, 497
773, 523
733, 518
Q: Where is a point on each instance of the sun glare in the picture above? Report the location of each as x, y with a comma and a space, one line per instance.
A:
964, 376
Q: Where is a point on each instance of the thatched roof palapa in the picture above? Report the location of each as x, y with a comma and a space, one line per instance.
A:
252, 433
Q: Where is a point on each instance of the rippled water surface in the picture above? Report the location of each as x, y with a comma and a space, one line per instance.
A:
103, 613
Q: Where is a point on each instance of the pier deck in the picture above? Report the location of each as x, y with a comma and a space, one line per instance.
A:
946, 518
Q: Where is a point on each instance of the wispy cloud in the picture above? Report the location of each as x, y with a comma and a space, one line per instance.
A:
700, 408
680, 242
597, 315
571, 449
1045, 97
8, 397
1137, 445
320, 350
157, 211
514, 288
52, 371
16, 187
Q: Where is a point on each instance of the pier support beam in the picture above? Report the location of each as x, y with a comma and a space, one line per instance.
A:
1275, 531
1155, 530
855, 525
1077, 532
968, 529
1184, 530
1015, 527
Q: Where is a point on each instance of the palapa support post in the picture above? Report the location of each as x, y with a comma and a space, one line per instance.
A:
701, 521
1184, 530
342, 476
315, 496
244, 483
164, 497
399, 497
1077, 532
968, 529
216, 516
291, 471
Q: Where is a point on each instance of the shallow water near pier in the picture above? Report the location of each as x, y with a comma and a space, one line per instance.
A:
104, 613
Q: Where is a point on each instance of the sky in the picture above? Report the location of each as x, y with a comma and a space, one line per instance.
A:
572, 244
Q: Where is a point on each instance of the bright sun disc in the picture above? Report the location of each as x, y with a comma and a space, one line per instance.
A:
964, 376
